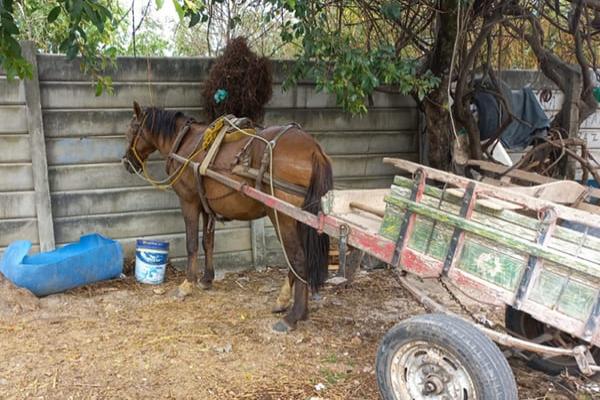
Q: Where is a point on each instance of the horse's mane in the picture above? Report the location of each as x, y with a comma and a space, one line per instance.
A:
161, 122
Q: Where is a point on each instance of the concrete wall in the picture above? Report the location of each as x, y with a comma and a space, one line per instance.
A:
84, 137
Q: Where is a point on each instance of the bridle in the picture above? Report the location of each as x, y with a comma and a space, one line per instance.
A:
142, 171
139, 133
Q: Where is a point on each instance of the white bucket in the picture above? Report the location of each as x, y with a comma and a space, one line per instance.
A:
151, 261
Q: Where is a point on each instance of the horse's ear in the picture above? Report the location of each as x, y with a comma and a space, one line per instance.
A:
137, 110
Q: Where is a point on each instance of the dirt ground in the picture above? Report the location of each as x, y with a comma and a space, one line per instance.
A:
124, 340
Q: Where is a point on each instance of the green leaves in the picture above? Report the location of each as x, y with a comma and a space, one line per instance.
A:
54, 13
391, 10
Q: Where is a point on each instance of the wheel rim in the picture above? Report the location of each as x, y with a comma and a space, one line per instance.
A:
422, 370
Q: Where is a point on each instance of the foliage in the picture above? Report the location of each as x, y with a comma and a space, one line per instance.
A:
332, 49
149, 40
74, 27
213, 24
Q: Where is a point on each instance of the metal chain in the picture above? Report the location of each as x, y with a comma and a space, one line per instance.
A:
480, 320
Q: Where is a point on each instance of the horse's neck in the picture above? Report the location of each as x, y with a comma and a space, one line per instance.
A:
165, 144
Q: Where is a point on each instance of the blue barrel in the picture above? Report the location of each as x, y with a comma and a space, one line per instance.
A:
151, 261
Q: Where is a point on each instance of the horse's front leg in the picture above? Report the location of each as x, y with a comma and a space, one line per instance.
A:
191, 214
208, 243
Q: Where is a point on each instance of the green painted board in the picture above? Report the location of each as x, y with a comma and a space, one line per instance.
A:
566, 240
547, 288
483, 260
429, 238
565, 294
577, 300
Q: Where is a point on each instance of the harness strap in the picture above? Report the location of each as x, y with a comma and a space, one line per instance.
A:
201, 192
177, 143
264, 162
213, 150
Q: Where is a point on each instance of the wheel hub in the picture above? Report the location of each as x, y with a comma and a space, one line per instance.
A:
422, 371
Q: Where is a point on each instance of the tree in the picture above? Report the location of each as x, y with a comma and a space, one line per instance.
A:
227, 19
74, 27
433, 49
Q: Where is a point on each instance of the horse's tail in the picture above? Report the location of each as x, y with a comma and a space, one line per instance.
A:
315, 245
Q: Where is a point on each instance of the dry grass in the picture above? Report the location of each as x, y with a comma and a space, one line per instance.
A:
125, 340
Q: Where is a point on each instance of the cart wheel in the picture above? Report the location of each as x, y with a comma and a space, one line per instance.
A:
436, 356
528, 327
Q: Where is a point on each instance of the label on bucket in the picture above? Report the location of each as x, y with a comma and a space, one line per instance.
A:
151, 261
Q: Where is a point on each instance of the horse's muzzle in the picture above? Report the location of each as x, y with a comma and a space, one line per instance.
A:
129, 164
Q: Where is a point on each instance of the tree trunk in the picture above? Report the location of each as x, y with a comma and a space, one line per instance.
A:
435, 106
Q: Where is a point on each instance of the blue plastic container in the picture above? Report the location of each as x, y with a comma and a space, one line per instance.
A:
151, 261
93, 258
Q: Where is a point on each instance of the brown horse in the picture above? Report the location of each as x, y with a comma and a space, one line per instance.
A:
297, 159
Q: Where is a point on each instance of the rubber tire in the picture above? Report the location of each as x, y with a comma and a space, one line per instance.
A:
513, 320
485, 364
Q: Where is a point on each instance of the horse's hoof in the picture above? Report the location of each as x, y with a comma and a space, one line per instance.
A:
204, 285
282, 327
279, 308
182, 291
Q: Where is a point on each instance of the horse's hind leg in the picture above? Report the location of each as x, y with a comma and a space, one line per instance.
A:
191, 215
293, 249
208, 243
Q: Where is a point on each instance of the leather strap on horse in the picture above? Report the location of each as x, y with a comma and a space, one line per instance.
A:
177, 143
265, 161
213, 150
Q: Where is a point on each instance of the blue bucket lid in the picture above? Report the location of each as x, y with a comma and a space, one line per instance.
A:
153, 244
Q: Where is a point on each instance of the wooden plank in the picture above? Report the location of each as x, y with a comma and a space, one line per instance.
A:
18, 229
14, 119
339, 201
515, 173
105, 201
121, 225
17, 205
11, 92
39, 163
363, 182
16, 177
512, 242
500, 193
563, 192
15, 149
506, 221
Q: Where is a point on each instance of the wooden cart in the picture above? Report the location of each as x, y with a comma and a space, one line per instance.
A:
539, 259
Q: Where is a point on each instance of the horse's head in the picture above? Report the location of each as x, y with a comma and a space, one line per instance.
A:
139, 146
